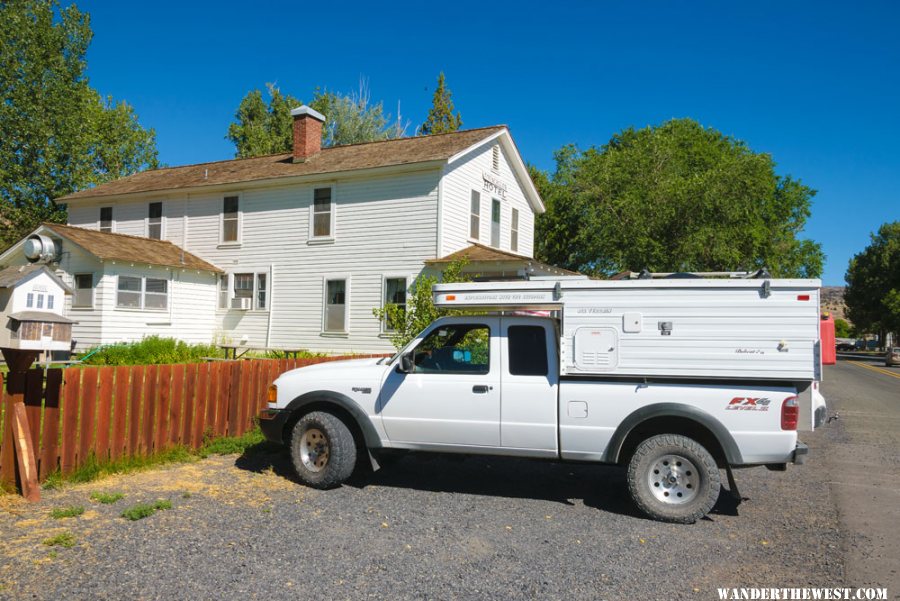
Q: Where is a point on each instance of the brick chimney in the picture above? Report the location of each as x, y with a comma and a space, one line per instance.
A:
307, 132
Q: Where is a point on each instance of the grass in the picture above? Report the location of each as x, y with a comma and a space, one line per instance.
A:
250, 443
63, 539
144, 510
66, 512
106, 498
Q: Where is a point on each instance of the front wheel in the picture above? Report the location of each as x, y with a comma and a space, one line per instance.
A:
322, 450
673, 478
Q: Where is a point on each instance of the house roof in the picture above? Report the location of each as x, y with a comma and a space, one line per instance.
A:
44, 316
388, 153
479, 253
135, 249
14, 274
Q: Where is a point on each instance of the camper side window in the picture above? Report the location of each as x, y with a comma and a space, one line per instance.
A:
84, 291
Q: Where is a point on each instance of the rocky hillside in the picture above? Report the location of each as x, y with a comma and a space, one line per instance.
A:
833, 301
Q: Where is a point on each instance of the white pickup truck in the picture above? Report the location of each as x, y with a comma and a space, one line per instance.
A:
674, 380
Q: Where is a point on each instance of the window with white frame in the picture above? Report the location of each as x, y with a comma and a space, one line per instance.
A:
253, 286
223, 291
154, 220
394, 294
40, 301
495, 223
514, 231
133, 292
475, 215
323, 214
50, 301
84, 291
231, 219
106, 219
336, 306
29, 300
261, 282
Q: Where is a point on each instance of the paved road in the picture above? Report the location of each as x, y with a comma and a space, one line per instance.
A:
863, 467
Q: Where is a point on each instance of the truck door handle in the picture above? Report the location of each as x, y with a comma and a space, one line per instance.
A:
481, 389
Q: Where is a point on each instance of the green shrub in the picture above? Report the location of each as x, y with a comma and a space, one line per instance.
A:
63, 539
143, 510
66, 512
107, 498
152, 350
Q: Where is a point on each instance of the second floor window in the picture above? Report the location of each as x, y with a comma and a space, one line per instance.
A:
514, 231
154, 221
230, 219
495, 223
323, 213
474, 215
106, 219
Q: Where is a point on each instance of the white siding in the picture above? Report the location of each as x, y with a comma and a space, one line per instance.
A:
466, 174
130, 217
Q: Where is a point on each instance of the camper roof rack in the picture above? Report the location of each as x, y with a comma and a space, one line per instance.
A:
682, 275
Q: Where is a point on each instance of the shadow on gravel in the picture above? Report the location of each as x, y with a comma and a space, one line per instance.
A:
597, 486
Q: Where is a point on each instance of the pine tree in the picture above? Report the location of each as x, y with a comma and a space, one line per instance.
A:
441, 119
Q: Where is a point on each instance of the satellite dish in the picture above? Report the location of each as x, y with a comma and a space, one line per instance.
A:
41, 249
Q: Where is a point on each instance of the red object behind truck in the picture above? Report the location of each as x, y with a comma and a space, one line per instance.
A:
826, 335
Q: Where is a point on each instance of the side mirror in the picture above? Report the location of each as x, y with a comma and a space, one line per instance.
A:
406, 363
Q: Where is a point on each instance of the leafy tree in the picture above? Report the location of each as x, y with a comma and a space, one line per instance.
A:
873, 283
842, 328
58, 134
420, 310
441, 119
676, 197
267, 128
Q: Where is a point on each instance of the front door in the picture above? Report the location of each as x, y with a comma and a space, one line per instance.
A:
453, 395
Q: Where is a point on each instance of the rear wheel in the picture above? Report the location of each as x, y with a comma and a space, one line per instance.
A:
322, 450
673, 478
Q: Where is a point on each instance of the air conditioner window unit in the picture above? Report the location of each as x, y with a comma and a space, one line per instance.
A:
242, 304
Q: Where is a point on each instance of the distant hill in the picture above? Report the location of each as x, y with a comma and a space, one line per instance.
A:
832, 301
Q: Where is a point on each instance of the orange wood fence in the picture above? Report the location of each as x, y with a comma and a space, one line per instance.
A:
107, 413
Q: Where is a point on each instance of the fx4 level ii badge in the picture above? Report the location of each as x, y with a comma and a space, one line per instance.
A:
744, 403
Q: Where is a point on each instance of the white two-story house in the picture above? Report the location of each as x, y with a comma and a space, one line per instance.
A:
291, 250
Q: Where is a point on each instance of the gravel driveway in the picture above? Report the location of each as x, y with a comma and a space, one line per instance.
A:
425, 528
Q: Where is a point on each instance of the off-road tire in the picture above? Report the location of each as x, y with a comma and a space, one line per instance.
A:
341, 450
647, 485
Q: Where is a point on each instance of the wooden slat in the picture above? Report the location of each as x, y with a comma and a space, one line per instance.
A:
199, 422
135, 410
234, 395
49, 459
71, 394
223, 394
88, 422
25, 459
104, 413
190, 402
120, 412
34, 401
7, 442
148, 413
162, 409
248, 385
176, 408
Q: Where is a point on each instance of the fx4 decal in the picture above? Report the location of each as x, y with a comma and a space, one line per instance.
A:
742, 403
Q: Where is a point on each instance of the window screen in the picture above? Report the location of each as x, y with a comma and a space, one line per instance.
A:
335, 307
84, 290
106, 219
322, 212
154, 220
230, 217
129, 292
495, 223
527, 350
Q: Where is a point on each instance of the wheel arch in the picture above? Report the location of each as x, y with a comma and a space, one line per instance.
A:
673, 418
340, 405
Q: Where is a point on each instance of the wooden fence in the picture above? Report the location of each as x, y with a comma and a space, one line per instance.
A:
107, 413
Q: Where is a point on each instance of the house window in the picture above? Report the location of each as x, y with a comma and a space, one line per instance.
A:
154, 221
243, 288
106, 219
223, 291
394, 294
261, 280
335, 306
29, 300
230, 219
40, 301
514, 231
495, 158
475, 215
495, 223
133, 292
84, 290
128, 293
323, 213
50, 301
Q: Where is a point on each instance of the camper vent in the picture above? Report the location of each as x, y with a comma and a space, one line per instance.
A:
596, 348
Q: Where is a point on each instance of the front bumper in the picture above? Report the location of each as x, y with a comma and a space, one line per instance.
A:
799, 454
271, 422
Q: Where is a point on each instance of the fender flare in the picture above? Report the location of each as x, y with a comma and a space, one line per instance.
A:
637, 417
328, 397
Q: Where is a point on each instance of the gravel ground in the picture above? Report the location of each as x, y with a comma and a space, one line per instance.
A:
425, 528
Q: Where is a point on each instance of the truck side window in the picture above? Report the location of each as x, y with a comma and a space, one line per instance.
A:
455, 349
527, 350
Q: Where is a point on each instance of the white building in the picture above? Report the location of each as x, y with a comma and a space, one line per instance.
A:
291, 250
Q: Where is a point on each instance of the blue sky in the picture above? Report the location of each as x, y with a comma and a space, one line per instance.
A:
816, 84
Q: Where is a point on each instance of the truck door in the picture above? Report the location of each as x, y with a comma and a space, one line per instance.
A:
452, 398
528, 401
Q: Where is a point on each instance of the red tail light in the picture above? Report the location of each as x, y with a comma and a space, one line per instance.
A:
790, 413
